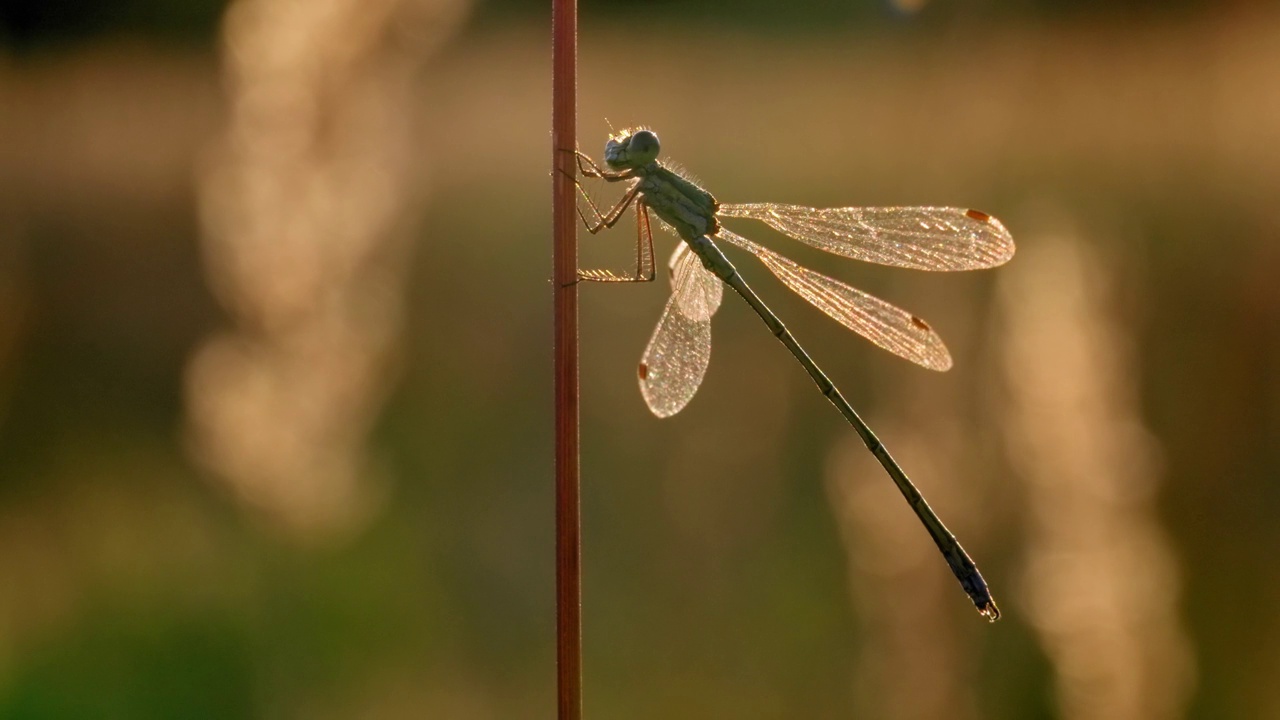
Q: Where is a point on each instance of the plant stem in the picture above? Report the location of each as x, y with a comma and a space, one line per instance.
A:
564, 57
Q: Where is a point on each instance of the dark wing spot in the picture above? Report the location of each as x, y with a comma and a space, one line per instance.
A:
644, 371
919, 323
977, 215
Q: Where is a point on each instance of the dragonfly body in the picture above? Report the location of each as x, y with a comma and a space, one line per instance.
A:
680, 202
678, 354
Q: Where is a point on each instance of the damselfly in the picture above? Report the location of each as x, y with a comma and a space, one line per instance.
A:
673, 364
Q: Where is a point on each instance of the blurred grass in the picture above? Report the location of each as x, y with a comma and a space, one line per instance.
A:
716, 576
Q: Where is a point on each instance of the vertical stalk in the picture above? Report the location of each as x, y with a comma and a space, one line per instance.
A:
564, 57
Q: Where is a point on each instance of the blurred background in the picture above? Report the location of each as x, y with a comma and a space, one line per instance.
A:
275, 364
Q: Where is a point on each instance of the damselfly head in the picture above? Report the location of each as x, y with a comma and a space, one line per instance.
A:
629, 149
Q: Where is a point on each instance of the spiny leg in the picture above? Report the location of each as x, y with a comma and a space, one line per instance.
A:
644, 253
591, 169
588, 168
644, 232
603, 220
644, 242
611, 218
608, 220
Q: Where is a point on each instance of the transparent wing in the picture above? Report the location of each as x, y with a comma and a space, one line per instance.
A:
677, 356
888, 326
703, 297
924, 238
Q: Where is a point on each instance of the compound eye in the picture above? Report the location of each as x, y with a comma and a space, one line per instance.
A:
643, 147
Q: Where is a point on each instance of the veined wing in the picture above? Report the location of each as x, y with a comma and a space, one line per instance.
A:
924, 238
694, 304
886, 325
677, 356
703, 297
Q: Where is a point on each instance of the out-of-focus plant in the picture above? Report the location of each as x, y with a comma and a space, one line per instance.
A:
304, 209
1101, 583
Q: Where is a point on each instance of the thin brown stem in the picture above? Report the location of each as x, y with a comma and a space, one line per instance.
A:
564, 58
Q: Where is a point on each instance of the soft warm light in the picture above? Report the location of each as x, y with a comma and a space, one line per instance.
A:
303, 205
1101, 583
